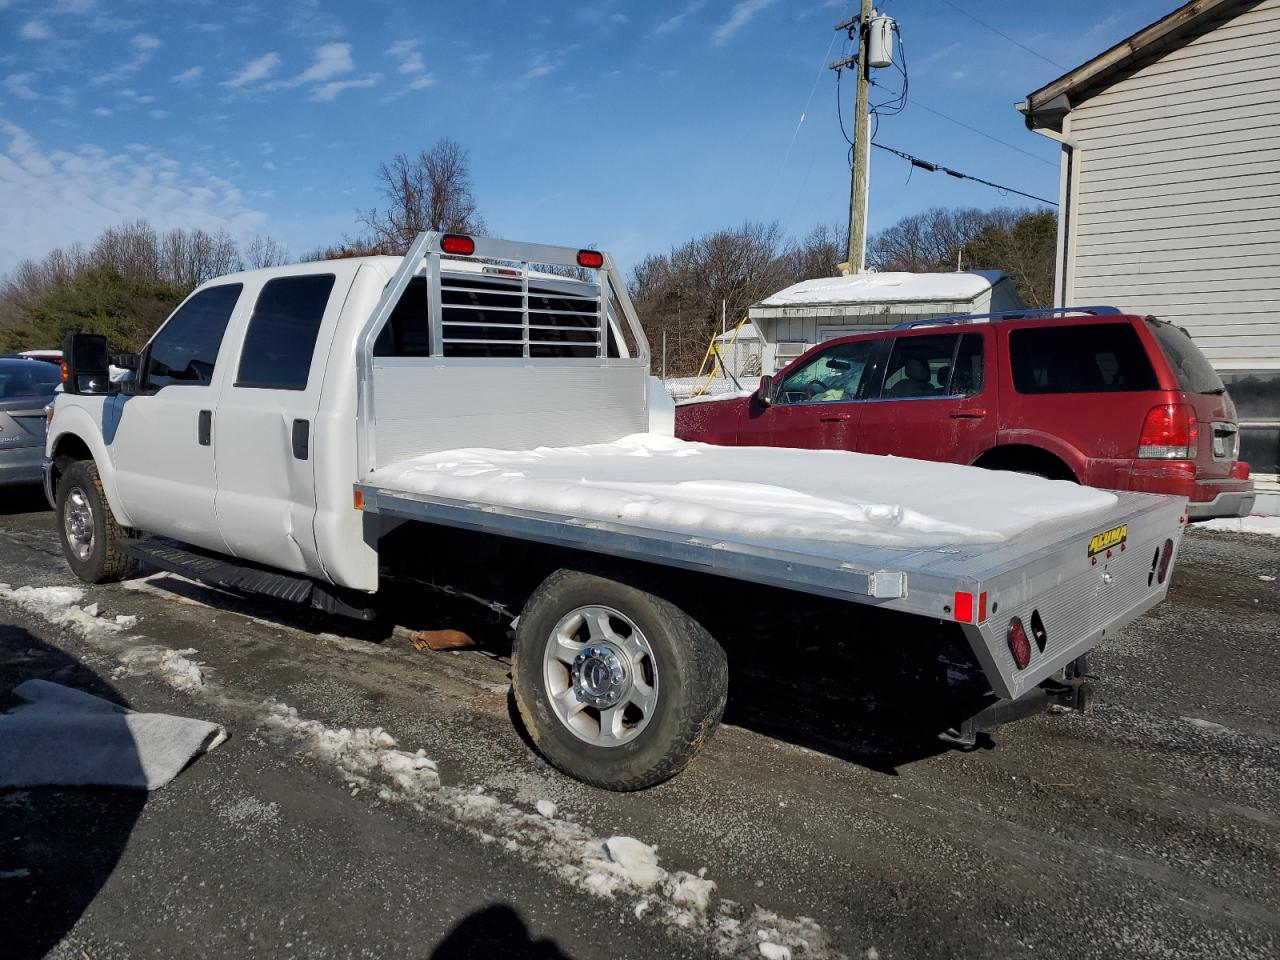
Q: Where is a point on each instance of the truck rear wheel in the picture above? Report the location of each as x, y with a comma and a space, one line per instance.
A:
87, 527
618, 687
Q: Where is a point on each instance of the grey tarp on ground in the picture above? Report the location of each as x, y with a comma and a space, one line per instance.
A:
66, 737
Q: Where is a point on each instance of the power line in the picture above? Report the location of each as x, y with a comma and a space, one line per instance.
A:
998, 33
931, 167
983, 133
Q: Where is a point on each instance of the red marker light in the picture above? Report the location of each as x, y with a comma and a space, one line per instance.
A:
1019, 645
593, 259
457, 244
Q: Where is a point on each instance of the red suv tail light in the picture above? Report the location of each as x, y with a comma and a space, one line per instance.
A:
1170, 432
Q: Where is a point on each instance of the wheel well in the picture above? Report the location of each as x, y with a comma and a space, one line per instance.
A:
67, 448
1023, 457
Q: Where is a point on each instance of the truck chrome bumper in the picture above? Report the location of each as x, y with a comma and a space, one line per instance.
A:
46, 473
1234, 504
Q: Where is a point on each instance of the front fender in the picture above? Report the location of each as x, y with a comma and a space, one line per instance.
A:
86, 426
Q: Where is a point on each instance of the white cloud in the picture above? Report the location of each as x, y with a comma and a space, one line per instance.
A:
101, 112
539, 66
69, 196
742, 14
145, 41
421, 83
158, 114
75, 6
190, 75
676, 22
255, 70
410, 60
328, 91
331, 60
19, 85
145, 46
34, 30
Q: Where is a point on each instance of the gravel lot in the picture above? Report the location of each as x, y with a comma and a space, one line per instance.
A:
1148, 828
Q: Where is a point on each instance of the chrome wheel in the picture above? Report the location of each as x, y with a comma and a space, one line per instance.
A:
77, 523
601, 676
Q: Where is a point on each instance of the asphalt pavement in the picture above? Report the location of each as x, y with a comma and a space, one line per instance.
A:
829, 825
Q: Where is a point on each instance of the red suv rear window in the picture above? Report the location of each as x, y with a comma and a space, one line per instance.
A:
1087, 358
1194, 372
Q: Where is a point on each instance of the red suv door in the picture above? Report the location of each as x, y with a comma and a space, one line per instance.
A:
934, 402
815, 401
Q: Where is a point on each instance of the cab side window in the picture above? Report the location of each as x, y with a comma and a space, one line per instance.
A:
835, 375
185, 349
282, 332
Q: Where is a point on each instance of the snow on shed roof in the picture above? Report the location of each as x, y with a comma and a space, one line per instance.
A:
748, 332
886, 288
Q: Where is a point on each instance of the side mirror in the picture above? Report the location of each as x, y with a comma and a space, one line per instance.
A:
766, 390
86, 368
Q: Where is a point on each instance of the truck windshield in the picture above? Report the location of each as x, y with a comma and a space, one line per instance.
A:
1194, 372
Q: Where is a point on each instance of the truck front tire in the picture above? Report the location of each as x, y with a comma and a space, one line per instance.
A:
618, 687
87, 527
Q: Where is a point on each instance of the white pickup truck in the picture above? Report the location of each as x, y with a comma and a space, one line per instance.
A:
286, 425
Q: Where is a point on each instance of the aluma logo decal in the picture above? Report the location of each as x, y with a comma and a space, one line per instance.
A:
1108, 539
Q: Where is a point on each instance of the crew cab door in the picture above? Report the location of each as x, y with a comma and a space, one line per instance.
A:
934, 402
264, 424
816, 401
159, 436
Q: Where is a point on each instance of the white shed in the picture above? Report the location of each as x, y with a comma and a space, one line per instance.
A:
1170, 190
792, 320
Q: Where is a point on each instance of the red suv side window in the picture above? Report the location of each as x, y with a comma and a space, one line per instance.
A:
1084, 358
938, 365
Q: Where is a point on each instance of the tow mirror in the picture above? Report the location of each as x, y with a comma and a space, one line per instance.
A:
766, 390
86, 367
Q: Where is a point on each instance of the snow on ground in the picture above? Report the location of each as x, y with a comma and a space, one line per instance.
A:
619, 868
700, 389
1265, 525
766, 495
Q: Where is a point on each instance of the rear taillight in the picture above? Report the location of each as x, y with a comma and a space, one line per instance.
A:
1169, 433
1019, 645
1166, 558
1240, 471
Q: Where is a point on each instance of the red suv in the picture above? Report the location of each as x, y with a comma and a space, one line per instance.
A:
1086, 394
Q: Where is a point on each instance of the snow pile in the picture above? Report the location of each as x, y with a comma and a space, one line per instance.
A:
887, 288
171, 666
57, 605
765, 495
360, 753
1269, 526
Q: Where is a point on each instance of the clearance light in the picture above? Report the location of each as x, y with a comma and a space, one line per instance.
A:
1169, 433
358, 500
66, 371
593, 259
965, 604
457, 244
1019, 645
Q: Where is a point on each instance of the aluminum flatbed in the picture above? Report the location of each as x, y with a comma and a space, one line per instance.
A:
1053, 574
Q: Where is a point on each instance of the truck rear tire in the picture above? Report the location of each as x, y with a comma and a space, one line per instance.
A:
618, 687
87, 527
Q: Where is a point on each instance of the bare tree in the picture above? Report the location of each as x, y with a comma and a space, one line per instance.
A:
130, 249
431, 191
265, 252
817, 254
188, 259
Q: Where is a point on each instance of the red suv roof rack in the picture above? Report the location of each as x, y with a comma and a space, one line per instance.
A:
1027, 313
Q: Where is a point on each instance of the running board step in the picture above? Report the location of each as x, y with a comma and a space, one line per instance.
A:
229, 574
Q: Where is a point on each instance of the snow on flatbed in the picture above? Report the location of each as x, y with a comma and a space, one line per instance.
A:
772, 495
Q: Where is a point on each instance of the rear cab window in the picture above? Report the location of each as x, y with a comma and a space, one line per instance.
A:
282, 332
1081, 358
1194, 372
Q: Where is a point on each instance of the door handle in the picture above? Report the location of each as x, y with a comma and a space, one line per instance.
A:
835, 418
301, 439
204, 428
968, 414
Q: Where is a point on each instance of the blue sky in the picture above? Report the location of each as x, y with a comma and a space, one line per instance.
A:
628, 125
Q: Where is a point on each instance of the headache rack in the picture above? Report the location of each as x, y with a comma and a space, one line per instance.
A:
1027, 313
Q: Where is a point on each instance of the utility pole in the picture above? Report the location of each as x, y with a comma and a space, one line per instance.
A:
860, 175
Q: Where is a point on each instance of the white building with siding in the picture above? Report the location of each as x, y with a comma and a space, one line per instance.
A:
1170, 190
790, 321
